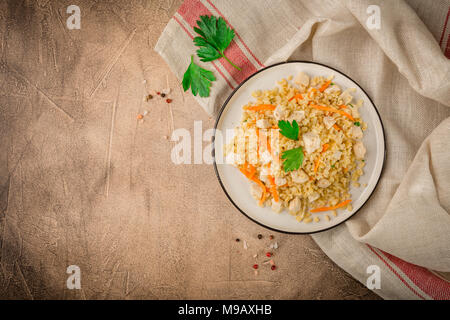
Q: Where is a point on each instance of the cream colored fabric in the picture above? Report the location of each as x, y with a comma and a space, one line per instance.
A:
403, 69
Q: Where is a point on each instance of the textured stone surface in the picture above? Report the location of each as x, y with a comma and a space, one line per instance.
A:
83, 182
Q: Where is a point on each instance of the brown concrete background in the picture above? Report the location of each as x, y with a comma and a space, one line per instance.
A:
83, 182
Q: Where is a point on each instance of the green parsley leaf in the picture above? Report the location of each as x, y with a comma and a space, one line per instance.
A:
215, 37
293, 159
357, 123
198, 79
288, 130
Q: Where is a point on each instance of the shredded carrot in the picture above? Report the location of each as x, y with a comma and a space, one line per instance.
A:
274, 127
297, 96
261, 107
337, 127
343, 106
325, 85
251, 170
345, 170
263, 198
312, 90
273, 188
339, 205
325, 147
316, 164
257, 142
324, 108
269, 148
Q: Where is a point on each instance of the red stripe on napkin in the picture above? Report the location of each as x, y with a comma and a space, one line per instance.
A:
429, 283
396, 273
191, 10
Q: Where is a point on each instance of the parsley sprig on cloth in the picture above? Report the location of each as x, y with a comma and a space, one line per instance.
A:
198, 79
214, 38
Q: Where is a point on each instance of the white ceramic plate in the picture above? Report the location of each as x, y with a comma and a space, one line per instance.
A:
236, 186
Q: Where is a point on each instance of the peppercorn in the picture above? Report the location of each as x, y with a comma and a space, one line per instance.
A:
149, 97
168, 100
255, 266
269, 254
163, 95
158, 93
259, 236
237, 240
271, 237
273, 267
140, 116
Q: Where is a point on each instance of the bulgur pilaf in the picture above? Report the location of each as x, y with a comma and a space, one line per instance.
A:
300, 146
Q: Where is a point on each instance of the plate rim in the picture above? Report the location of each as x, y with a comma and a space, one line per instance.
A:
214, 146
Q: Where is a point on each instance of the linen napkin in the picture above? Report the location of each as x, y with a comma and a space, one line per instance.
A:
398, 51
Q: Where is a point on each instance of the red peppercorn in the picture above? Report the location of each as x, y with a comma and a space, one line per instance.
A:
269, 254
271, 237
158, 93
255, 266
168, 100
273, 267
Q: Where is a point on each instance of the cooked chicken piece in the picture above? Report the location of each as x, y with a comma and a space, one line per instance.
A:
263, 174
323, 183
298, 116
337, 155
279, 113
329, 122
277, 206
313, 196
262, 123
355, 112
332, 88
311, 141
255, 191
265, 157
299, 176
294, 205
302, 79
359, 150
356, 132
279, 181
346, 96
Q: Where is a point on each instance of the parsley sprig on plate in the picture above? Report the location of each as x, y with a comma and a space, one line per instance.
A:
293, 158
214, 38
289, 130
